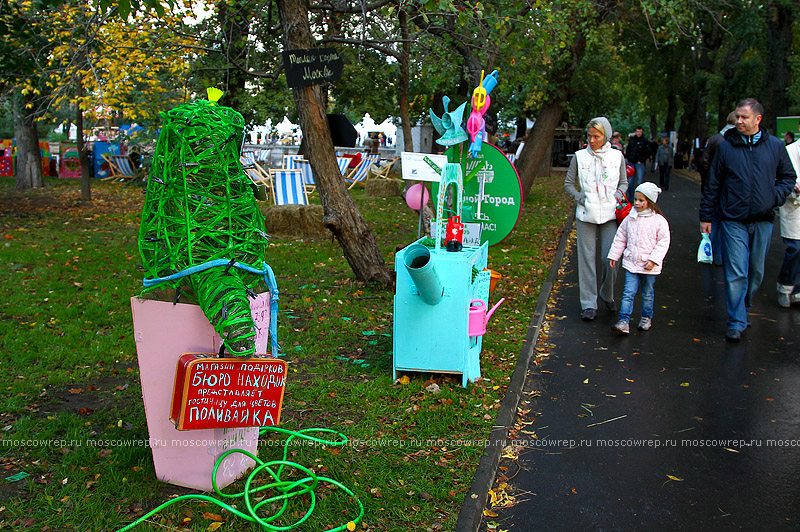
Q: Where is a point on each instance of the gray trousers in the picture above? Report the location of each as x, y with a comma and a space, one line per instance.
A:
588, 237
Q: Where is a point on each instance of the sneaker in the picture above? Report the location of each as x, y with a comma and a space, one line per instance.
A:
784, 300
733, 335
588, 314
795, 298
622, 327
645, 324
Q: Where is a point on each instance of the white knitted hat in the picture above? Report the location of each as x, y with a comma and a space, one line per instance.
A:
650, 191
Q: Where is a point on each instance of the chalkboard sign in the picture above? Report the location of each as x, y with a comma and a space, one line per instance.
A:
310, 67
212, 393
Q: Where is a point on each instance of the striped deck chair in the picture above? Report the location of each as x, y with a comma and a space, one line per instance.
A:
288, 187
308, 174
360, 172
262, 156
121, 167
258, 176
343, 163
384, 169
511, 157
289, 161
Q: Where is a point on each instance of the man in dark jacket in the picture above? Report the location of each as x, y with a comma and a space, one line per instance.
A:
750, 175
637, 153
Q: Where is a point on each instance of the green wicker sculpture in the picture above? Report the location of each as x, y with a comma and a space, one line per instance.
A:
201, 229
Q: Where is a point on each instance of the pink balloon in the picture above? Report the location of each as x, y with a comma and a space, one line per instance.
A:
416, 193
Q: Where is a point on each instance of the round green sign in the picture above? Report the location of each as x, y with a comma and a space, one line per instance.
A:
498, 207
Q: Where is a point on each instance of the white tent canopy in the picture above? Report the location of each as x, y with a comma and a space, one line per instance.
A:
368, 125
286, 127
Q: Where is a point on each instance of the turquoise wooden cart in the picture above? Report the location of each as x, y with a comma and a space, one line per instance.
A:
434, 290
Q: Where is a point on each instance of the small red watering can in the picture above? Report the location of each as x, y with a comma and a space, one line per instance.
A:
478, 317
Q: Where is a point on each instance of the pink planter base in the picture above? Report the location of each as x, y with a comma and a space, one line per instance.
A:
163, 332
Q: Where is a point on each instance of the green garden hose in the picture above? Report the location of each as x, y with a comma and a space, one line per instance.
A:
285, 490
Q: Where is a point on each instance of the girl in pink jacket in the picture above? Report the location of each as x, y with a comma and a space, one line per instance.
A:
642, 240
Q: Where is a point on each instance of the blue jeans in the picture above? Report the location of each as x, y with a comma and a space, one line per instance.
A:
746, 247
633, 282
790, 269
717, 247
636, 180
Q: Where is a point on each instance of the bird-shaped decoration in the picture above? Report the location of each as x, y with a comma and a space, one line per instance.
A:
449, 125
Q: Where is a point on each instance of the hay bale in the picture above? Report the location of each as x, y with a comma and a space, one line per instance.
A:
383, 188
296, 221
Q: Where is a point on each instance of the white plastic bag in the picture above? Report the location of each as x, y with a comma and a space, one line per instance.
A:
704, 253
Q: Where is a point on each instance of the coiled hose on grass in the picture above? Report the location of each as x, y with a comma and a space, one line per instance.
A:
284, 489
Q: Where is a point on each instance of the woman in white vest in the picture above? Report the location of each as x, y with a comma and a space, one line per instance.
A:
595, 177
789, 275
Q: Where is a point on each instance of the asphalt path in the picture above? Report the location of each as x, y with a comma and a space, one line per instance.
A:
669, 429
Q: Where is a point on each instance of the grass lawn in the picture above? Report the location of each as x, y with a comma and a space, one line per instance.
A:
72, 411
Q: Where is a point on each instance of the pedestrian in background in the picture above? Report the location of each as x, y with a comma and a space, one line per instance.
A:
789, 213
595, 177
665, 159
637, 153
616, 141
751, 175
642, 241
653, 150
717, 249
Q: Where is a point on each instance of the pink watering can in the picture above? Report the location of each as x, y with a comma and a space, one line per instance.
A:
478, 317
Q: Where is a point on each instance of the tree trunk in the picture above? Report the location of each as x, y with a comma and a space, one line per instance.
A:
83, 150
725, 102
405, 80
29, 160
777, 77
672, 111
405, 106
521, 126
341, 214
234, 19
537, 142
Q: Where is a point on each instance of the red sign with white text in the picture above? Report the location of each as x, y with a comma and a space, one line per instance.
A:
212, 393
